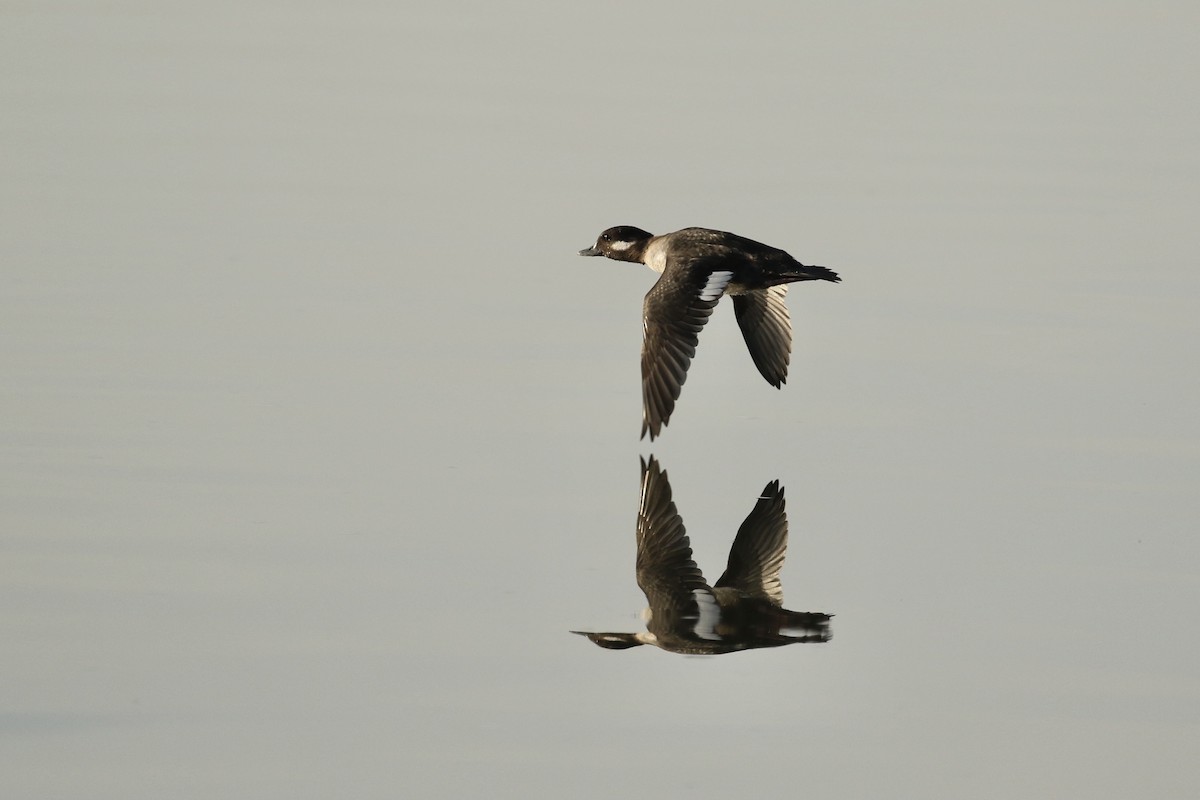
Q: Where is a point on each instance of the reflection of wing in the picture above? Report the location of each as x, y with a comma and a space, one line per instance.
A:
681, 603
757, 554
674, 312
767, 329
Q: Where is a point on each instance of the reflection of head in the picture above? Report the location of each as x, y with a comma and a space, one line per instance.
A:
612, 641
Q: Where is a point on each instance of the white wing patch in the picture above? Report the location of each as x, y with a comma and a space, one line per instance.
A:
710, 615
717, 281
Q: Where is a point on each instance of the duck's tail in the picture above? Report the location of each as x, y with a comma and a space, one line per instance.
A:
804, 272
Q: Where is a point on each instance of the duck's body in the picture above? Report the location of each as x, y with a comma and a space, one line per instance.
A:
697, 266
743, 610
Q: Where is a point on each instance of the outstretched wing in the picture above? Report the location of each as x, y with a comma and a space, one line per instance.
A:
757, 554
767, 329
675, 310
681, 602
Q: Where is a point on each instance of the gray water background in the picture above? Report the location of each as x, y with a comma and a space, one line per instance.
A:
316, 437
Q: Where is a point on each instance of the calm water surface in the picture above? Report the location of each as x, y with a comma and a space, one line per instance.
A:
318, 439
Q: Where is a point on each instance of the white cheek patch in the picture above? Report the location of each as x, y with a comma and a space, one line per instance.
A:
717, 281
620, 246
710, 615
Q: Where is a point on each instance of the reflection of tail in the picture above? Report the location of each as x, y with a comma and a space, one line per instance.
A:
805, 620
804, 626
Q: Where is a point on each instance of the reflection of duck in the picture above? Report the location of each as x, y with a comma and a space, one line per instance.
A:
743, 610
699, 265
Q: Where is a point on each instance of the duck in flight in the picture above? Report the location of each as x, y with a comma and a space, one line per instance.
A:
743, 610
697, 266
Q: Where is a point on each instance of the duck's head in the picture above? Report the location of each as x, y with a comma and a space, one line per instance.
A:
623, 243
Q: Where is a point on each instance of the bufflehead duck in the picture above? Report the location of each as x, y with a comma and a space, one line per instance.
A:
697, 266
743, 610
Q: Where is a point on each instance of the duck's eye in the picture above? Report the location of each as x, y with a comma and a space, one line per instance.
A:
605, 237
